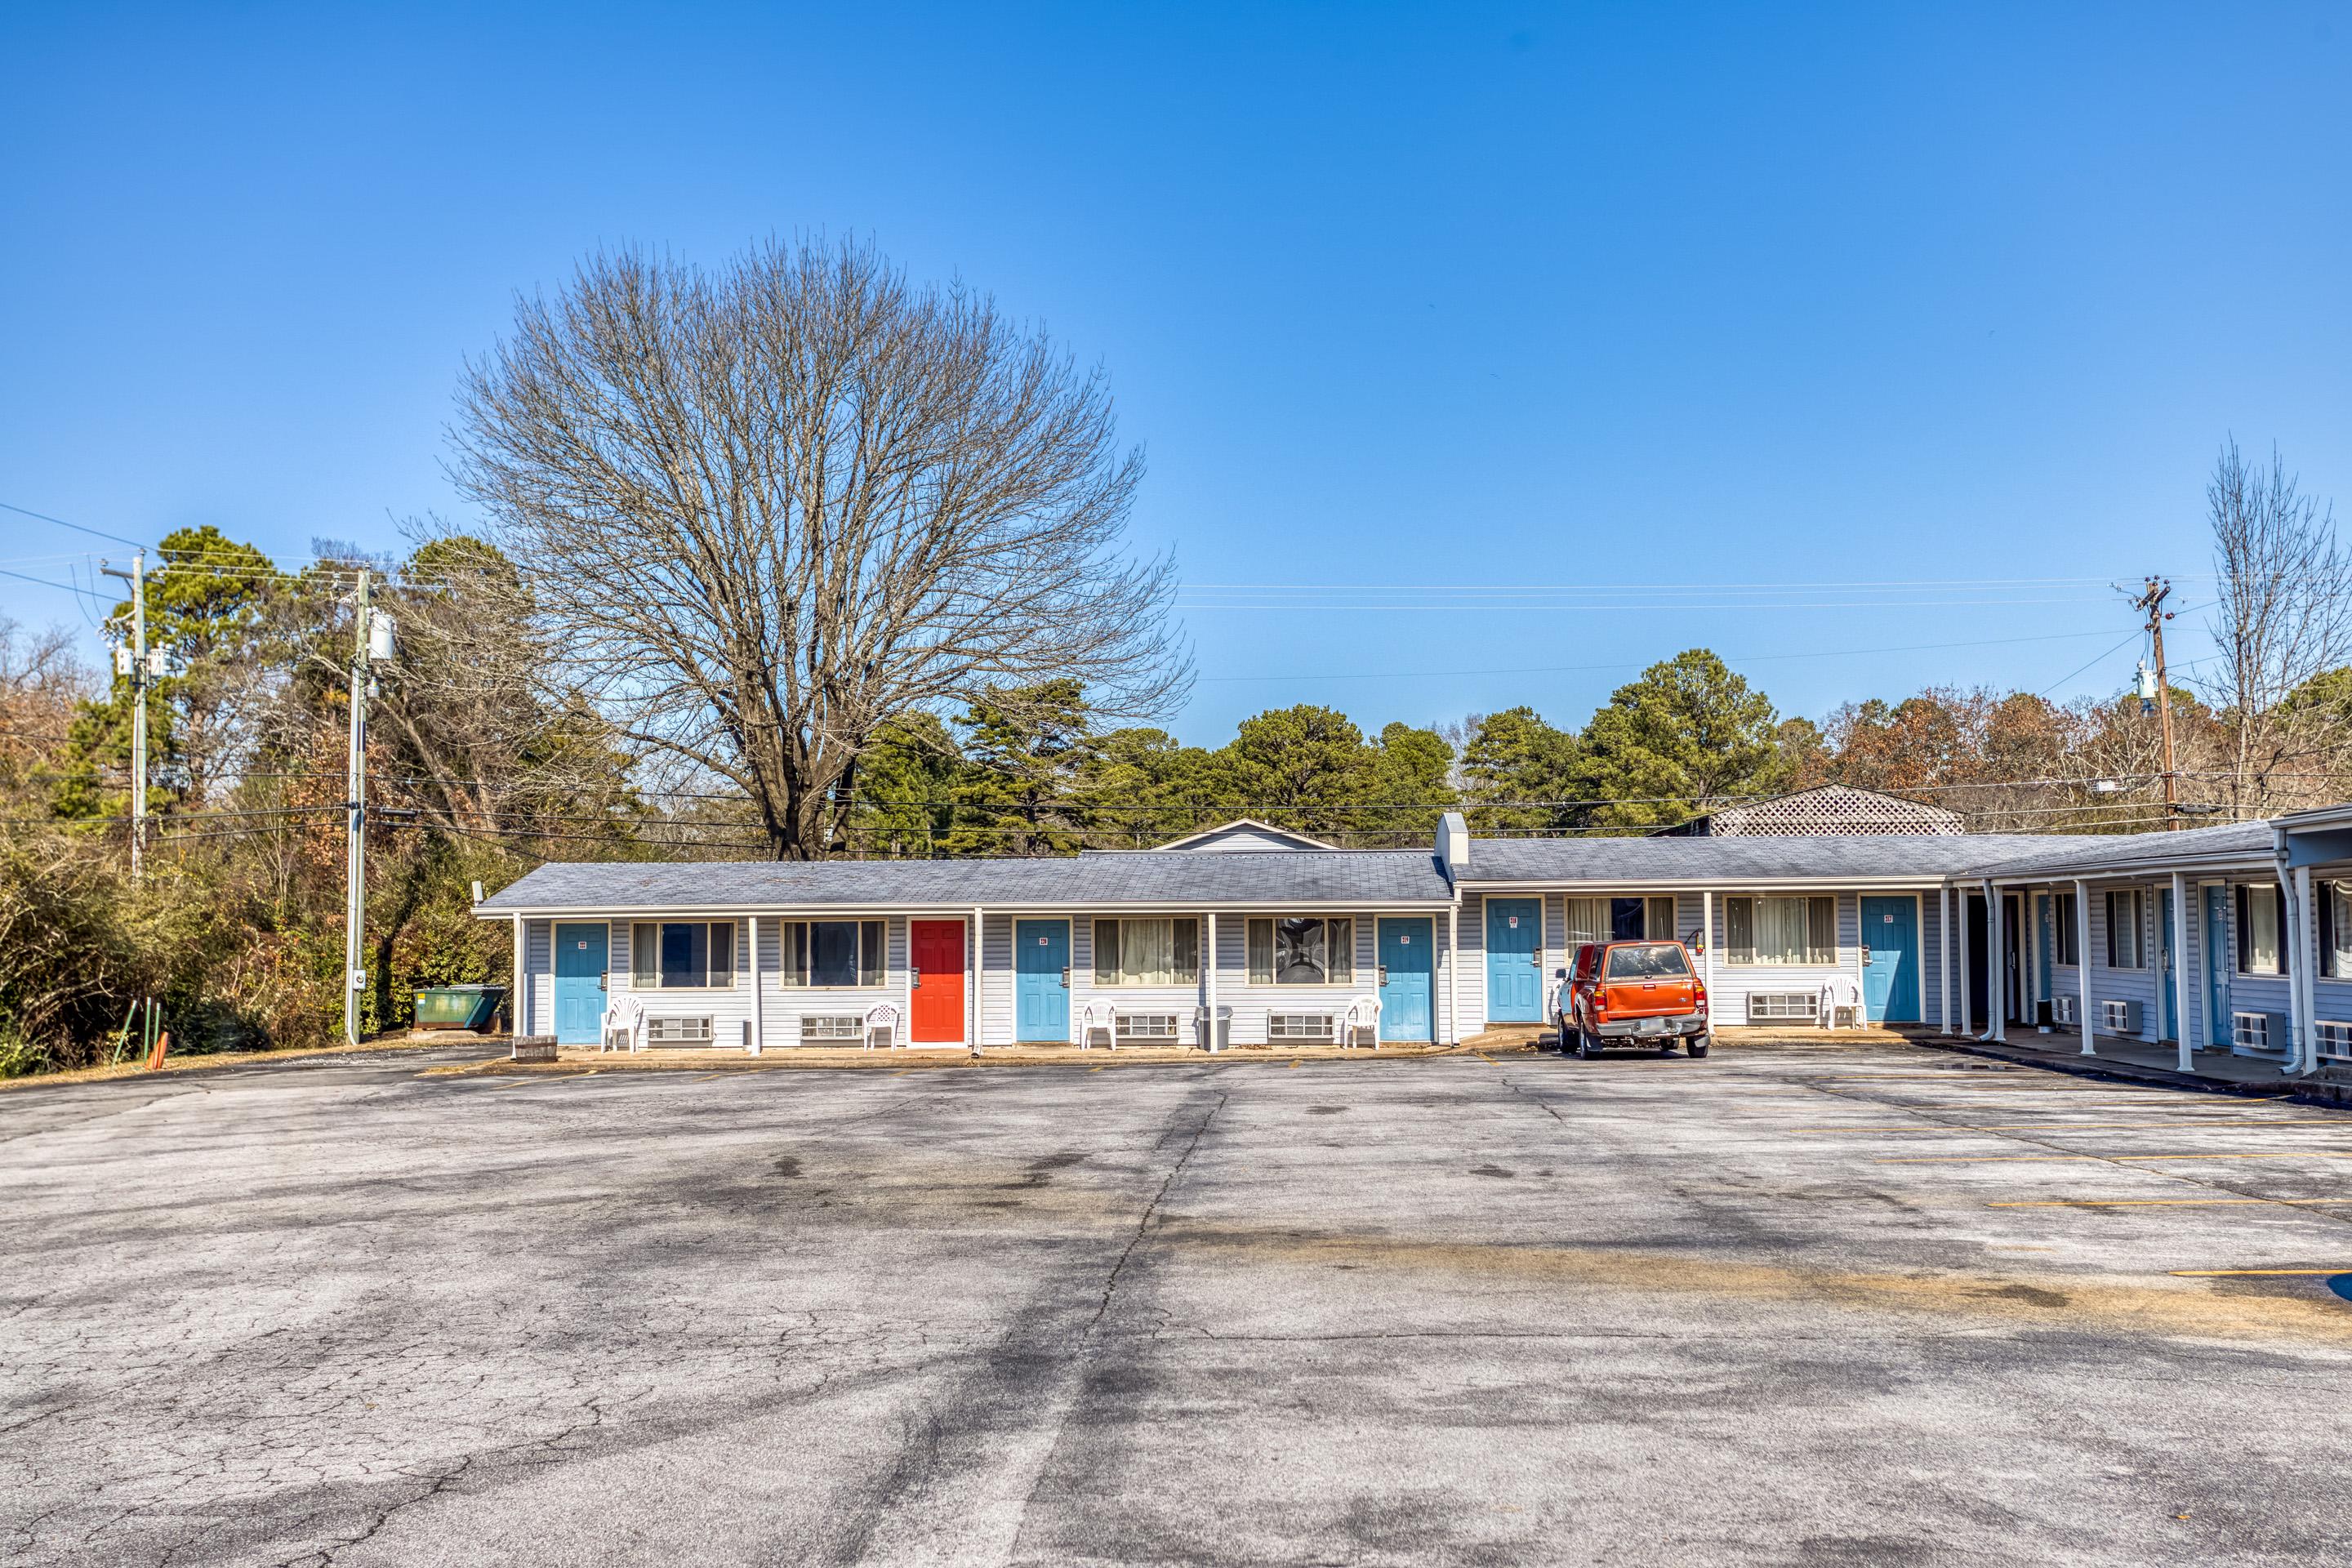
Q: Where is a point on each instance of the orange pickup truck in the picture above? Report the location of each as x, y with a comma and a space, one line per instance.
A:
1632, 992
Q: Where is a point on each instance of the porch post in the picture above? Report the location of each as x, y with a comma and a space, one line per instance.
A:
519, 1006
2305, 989
975, 974
2180, 971
1944, 952
1453, 978
1209, 975
1960, 945
1996, 965
758, 1013
2083, 961
1707, 950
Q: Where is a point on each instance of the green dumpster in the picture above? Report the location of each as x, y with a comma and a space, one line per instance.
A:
457, 1007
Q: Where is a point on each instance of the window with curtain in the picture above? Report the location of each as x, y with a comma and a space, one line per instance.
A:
2127, 939
2261, 922
1588, 921
842, 955
1302, 950
670, 955
2066, 930
1147, 951
2335, 929
1780, 931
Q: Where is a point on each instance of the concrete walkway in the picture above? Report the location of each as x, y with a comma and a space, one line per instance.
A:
2139, 1061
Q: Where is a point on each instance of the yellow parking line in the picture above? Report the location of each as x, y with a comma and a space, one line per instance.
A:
1294, 1061
1096, 1069
1982, 1159
2222, 1273
2013, 1159
2088, 1126
2149, 1202
1488, 1059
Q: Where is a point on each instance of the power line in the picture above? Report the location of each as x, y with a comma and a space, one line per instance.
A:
44, 581
77, 528
1639, 664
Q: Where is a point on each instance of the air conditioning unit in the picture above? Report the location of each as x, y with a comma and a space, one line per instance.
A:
678, 1032
2335, 1039
2258, 1031
1783, 1006
2119, 1017
2061, 1010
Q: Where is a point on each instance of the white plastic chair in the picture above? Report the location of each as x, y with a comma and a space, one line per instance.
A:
624, 1018
1841, 996
882, 1019
1363, 1013
1097, 1015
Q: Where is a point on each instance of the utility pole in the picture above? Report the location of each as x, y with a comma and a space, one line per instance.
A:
355, 849
2152, 601
141, 677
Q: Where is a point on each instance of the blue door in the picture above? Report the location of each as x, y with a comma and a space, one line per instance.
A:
1408, 960
2163, 961
1890, 981
579, 983
1514, 960
1041, 985
2220, 1029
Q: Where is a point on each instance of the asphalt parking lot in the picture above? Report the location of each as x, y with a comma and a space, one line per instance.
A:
1826, 1305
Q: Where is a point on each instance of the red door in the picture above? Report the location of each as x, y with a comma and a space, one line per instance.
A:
938, 952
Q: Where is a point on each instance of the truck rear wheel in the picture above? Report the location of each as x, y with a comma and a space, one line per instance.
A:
1697, 1047
1586, 1045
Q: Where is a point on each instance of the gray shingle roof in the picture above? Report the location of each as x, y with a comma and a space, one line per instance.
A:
1740, 859
2056, 854
1367, 877
1744, 859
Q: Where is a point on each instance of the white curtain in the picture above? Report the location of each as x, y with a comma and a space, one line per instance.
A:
1588, 921
1147, 953
1781, 925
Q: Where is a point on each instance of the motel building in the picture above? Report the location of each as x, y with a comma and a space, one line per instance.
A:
1829, 905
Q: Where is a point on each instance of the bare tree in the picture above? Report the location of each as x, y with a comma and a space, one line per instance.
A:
768, 508
2284, 617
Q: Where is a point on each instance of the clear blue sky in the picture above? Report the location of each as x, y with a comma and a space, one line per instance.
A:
1487, 296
